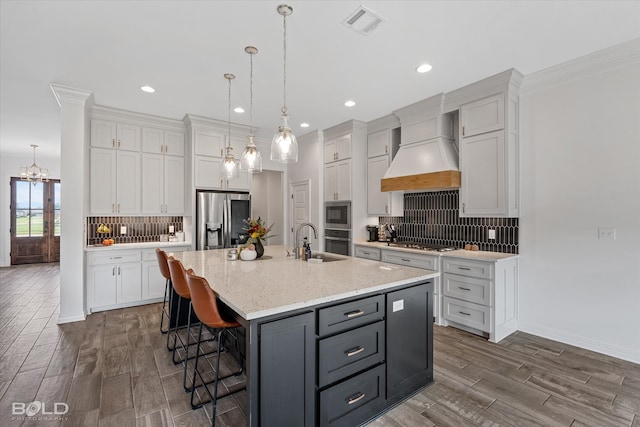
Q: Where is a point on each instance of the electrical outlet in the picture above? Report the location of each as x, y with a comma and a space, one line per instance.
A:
492, 235
171, 229
123, 229
606, 233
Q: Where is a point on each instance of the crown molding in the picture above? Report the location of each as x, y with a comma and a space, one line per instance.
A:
124, 116
194, 121
592, 64
421, 110
69, 95
344, 128
390, 121
481, 89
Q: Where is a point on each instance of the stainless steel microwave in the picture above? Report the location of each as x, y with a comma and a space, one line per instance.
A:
337, 215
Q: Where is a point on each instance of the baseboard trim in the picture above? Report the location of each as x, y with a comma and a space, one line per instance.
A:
624, 353
71, 319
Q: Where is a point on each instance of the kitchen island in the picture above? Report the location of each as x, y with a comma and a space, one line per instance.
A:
331, 343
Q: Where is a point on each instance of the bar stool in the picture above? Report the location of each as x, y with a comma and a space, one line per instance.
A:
205, 306
179, 280
164, 270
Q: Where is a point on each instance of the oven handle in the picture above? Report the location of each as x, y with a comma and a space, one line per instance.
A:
342, 239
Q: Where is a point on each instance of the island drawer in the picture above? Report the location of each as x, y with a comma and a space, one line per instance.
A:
349, 352
349, 315
410, 259
368, 253
467, 313
479, 269
353, 401
467, 288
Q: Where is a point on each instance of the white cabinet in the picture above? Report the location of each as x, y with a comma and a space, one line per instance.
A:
208, 143
378, 202
115, 182
489, 146
163, 184
113, 278
367, 252
337, 148
480, 296
378, 143
153, 282
337, 180
209, 150
108, 134
482, 116
158, 141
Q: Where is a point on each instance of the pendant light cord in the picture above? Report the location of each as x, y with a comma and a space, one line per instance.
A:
250, 93
229, 117
284, 91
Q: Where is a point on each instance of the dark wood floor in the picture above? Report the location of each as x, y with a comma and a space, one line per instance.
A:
114, 369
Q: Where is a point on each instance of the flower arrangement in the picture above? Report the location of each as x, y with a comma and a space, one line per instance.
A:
256, 229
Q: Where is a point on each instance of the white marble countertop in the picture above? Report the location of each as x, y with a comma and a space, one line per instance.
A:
143, 245
276, 283
459, 253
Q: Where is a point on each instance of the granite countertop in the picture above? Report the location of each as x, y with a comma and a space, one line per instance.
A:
143, 245
276, 283
459, 253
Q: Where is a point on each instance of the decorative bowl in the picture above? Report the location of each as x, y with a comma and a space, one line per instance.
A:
248, 255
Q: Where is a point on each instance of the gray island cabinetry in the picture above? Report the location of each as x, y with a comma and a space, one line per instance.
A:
329, 344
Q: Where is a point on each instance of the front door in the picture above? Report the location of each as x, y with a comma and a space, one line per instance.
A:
35, 221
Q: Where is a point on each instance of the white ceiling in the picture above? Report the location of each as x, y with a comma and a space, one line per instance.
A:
183, 48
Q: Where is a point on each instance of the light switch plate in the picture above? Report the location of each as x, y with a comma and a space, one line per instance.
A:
171, 229
123, 229
492, 235
606, 233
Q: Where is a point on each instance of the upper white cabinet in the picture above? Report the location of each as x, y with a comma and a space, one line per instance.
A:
482, 116
488, 145
158, 141
337, 180
337, 148
379, 156
108, 134
115, 182
208, 143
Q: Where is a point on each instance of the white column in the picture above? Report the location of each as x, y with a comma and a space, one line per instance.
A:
73, 154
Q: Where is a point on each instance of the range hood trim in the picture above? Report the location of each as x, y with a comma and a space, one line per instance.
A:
432, 181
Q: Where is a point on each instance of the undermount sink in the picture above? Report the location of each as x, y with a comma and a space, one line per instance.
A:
325, 258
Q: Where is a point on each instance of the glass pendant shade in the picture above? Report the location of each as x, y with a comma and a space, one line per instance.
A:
284, 146
251, 159
229, 168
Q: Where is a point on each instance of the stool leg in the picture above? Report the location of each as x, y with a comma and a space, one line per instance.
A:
176, 327
186, 354
215, 385
164, 308
195, 369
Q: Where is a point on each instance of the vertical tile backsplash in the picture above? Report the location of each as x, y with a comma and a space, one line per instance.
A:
432, 217
139, 228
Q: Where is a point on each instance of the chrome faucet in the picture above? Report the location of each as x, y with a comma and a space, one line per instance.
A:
296, 248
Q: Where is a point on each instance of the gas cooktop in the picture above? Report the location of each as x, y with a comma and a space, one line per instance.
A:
422, 246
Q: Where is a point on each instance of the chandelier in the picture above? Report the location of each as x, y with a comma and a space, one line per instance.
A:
34, 173
284, 147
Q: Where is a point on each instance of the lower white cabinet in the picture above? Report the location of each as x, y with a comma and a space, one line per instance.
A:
480, 296
124, 278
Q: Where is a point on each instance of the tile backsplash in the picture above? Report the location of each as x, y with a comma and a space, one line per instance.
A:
432, 217
139, 228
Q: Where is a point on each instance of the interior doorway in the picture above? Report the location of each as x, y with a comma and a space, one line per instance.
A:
300, 201
35, 221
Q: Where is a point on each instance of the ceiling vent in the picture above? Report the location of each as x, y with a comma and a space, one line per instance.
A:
363, 20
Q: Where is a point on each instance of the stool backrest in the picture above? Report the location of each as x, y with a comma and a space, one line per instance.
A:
205, 303
179, 278
163, 264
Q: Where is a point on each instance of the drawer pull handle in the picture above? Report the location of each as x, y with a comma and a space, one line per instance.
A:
355, 313
366, 253
405, 260
116, 257
466, 314
464, 268
355, 398
354, 351
464, 289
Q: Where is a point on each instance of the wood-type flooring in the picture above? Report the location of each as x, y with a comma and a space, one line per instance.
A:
114, 369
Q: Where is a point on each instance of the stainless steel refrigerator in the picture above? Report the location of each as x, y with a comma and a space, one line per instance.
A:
220, 219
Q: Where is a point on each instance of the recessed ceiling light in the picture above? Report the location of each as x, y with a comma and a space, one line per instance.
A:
349, 103
239, 110
147, 89
304, 125
424, 68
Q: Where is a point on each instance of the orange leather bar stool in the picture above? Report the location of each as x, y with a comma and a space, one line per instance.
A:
205, 306
166, 302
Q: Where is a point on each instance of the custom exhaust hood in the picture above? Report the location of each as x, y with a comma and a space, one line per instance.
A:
427, 159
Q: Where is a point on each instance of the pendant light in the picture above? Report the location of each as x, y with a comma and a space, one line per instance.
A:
284, 147
229, 168
34, 173
251, 160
